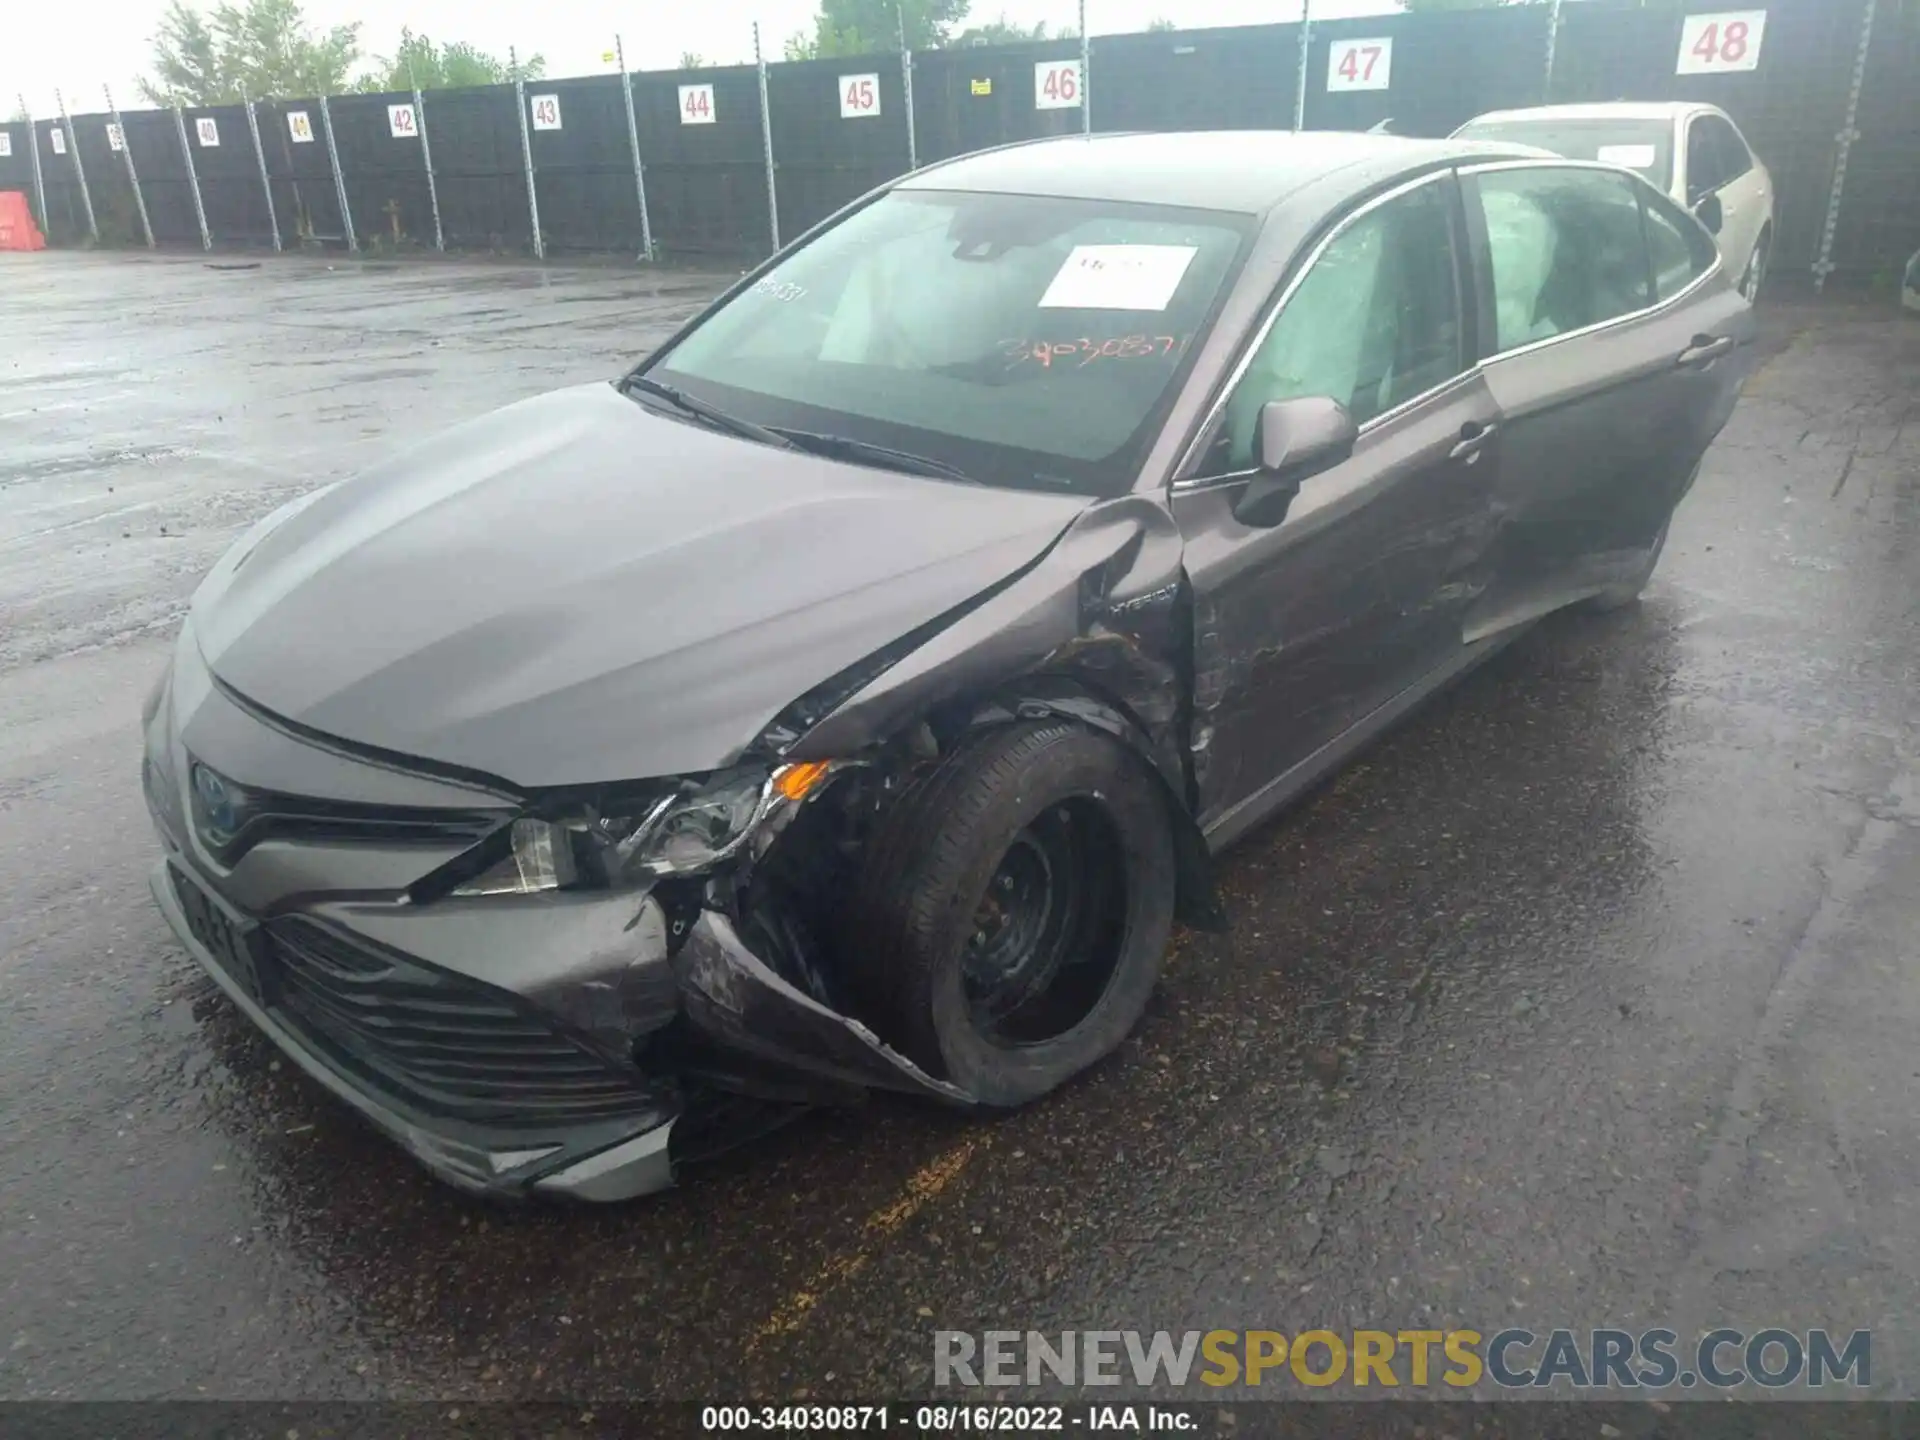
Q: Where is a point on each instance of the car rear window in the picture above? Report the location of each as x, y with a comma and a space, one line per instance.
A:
1642, 145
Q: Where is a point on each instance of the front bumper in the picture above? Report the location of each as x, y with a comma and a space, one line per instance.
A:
584, 1163
355, 983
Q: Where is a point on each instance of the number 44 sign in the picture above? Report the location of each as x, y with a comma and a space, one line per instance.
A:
1722, 44
1360, 64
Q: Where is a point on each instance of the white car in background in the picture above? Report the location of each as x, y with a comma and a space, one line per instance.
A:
1693, 152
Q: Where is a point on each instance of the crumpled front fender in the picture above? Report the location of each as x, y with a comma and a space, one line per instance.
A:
739, 1001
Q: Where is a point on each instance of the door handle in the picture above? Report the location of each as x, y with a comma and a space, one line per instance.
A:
1704, 351
1473, 439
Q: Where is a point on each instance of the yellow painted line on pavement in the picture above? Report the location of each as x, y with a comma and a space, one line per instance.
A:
922, 1187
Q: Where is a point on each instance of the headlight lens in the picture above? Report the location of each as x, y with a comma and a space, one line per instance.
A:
687, 830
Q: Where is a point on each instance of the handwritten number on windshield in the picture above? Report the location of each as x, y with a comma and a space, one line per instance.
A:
1078, 354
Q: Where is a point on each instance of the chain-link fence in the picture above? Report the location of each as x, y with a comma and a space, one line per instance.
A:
1822, 88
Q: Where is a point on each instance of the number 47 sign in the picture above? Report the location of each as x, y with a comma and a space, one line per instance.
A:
1360, 64
1722, 44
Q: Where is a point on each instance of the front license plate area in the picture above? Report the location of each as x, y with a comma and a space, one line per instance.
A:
237, 946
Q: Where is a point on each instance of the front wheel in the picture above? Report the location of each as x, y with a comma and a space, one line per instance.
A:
1012, 911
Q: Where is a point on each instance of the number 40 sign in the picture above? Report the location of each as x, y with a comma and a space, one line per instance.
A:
1722, 44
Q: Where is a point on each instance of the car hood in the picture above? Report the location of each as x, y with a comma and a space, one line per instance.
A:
575, 589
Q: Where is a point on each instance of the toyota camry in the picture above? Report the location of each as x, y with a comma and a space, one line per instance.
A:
855, 693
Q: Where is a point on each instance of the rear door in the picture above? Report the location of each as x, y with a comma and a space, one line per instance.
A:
1305, 628
1605, 373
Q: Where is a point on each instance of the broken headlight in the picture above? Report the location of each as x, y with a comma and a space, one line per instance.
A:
684, 830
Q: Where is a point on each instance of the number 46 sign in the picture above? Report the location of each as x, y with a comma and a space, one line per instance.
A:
1722, 44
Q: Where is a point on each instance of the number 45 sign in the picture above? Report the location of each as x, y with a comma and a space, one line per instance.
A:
1360, 64
1722, 44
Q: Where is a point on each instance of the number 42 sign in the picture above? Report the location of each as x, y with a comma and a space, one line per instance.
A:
1722, 44
1360, 64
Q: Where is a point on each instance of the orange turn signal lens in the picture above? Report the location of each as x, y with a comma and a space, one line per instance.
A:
796, 782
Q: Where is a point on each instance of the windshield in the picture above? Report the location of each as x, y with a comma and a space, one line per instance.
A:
1023, 340
1643, 145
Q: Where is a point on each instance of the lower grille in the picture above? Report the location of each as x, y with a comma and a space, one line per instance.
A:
447, 1045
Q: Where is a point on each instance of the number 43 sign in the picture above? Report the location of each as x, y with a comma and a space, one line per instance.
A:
1722, 44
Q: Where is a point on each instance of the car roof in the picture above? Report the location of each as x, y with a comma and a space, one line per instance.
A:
1615, 110
1249, 171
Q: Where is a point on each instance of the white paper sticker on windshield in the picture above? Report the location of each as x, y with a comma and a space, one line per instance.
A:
1119, 277
1634, 157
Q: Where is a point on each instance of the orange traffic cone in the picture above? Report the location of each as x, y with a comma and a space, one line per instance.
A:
17, 230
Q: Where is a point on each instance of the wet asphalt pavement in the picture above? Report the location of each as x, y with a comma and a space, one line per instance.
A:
1589, 997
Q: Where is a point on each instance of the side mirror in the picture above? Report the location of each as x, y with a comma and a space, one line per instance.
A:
1297, 440
1711, 214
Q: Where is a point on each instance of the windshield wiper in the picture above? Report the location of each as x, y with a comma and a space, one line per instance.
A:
863, 452
711, 415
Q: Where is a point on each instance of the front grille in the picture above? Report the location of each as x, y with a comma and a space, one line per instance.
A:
444, 1044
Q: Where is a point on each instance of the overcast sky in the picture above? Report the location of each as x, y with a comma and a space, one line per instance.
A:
80, 45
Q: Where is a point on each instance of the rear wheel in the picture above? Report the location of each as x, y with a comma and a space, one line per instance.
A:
1756, 277
1013, 910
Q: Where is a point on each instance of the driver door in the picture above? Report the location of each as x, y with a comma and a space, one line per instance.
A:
1306, 628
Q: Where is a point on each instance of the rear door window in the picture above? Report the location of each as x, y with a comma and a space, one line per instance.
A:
1681, 251
1566, 249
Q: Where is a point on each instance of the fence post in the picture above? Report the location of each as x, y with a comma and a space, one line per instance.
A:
339, 180
906, 83
1086, 74
633, 143
426, 155
1553, 50
526, 154
266, 185
79, 170
1849, 132
1306, 47
193, 177
133, 175
766, 140
39, 180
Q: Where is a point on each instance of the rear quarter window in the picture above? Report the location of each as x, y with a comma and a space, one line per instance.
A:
1681, 251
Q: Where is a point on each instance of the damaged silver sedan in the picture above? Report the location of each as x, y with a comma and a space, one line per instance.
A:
854, 694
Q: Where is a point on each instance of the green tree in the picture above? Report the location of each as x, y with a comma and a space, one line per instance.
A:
1162, 24
865, 27
1005, 32
1429, 7
262, 48
693, 60
420, 62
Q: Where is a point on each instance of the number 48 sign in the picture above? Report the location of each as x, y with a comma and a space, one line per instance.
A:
1360, 64
1722, 44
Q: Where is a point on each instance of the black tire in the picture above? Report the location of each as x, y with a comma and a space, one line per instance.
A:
1618, 597
1755, 278
1049, 799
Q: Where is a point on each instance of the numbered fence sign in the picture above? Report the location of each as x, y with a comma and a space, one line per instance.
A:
1360, 65
546, 112
57, 138
300, 126
1056, 85
6, 143
859, 96
696, 104
208, 132
1722, 44
401, 120
115, 140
